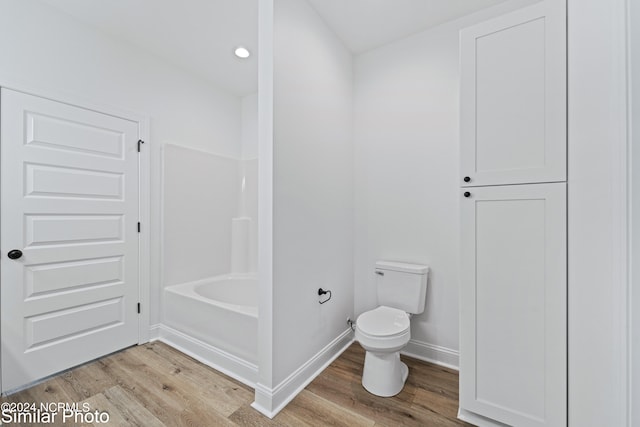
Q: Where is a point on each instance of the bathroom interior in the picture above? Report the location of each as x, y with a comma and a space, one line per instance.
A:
331, 149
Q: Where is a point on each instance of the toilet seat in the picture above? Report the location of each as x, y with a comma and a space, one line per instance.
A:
383, 322
383, 329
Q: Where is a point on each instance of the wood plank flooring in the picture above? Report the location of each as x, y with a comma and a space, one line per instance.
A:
156, 385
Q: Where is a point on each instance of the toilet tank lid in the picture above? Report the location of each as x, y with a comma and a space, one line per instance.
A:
402, 266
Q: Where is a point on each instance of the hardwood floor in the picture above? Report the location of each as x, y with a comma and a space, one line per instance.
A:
156, 385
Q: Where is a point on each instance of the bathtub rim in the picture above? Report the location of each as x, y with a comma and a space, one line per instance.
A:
187, 289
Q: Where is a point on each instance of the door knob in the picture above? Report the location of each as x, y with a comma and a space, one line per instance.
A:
467, 179
467, 194
14, 254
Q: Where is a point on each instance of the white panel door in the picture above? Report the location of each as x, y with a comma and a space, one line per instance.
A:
513, 97
513, 340
69, 188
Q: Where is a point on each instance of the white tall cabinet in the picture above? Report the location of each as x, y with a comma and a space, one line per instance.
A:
513, 326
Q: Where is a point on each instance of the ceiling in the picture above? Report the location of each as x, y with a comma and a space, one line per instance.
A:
197, 35
200, 35
365, 24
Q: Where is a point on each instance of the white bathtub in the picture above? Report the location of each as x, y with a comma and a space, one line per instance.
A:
221, 312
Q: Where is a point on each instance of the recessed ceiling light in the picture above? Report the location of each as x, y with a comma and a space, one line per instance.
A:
242, 52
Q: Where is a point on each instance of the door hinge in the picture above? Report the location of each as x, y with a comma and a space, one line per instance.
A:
138, 308
138, 227
140, 142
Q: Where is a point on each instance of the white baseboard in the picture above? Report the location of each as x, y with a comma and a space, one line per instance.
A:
271, 401
154, 332
478, 420
433, 354
220, 360
263, 401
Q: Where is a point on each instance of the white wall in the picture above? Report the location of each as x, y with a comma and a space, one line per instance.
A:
249, 173
407, 173
597, 207
46, 50
313, 186
200, 196
250, 126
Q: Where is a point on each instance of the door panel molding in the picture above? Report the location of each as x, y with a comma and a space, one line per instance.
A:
513, 97
513, 297
106, 197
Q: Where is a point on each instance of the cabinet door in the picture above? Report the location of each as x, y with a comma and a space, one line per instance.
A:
513, 97
513, 336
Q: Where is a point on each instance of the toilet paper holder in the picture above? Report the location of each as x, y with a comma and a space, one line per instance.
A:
322, 292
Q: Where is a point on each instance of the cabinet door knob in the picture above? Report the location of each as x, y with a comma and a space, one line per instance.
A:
467, 179
467, 194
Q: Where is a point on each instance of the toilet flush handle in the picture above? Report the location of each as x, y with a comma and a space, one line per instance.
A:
380, 273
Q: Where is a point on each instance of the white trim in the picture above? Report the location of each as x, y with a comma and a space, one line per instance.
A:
154, 332
598, 213
265, 196
432, 353
218, 359
621, 219
271, 401
144, 216
478, 420
633, 73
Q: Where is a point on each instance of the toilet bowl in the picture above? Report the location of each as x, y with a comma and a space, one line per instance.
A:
383, 332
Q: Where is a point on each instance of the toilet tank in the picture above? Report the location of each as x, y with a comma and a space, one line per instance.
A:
401, 285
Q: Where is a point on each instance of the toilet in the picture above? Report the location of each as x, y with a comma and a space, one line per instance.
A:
385, 330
